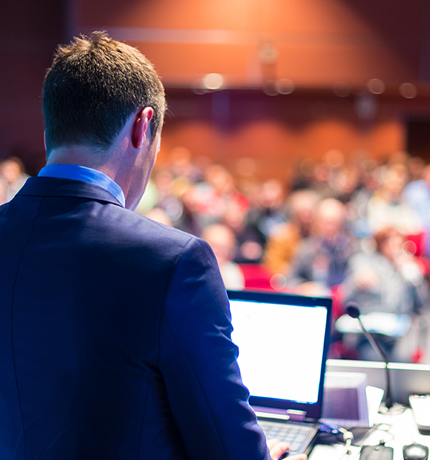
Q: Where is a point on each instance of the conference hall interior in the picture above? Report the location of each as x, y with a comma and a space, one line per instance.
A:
296, 142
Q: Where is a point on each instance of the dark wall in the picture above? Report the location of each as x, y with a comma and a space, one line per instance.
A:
29, 33
317, 42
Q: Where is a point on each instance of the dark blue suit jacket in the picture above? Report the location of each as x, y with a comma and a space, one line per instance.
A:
114, 336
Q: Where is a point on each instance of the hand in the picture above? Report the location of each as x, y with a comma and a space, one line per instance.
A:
277, 448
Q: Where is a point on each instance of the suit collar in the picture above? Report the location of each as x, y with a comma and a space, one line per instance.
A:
53, 186
85, 174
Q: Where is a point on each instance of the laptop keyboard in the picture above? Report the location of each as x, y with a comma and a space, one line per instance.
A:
295, 435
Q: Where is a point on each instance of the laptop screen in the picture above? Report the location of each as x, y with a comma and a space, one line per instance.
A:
283, 342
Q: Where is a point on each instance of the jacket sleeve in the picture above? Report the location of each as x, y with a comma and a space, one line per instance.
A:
198, 361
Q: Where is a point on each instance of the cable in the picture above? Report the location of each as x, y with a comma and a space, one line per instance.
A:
336, 430
347, 438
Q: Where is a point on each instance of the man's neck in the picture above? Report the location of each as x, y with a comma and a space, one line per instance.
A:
78, 155
103, 161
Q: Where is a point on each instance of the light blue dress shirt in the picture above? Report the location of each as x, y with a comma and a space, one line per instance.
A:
84, 174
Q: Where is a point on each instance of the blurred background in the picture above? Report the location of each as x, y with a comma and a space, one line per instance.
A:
297, 140
263, 80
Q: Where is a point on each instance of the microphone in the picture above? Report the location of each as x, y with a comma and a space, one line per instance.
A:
354, 312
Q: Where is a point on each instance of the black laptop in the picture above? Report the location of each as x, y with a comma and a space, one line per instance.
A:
283, 343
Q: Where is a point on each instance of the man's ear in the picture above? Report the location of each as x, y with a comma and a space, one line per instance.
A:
141, 129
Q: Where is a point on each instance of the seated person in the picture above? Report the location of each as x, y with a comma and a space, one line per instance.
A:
321, 259
387, 280
223, 243
285, 237
417, 195
12, 171
387, 208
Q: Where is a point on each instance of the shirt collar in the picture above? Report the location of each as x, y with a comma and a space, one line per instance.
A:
84, 174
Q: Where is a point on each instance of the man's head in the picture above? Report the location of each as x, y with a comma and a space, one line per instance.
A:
302, 205
389, 242
94, 85
426, 174
222, 241
11, 169
330, 218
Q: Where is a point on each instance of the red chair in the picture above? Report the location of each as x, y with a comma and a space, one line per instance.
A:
418, 241
257, 277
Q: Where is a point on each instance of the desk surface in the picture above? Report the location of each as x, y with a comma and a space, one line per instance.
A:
400, 429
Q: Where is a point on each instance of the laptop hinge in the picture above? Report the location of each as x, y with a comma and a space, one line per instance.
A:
296, 415
290, 414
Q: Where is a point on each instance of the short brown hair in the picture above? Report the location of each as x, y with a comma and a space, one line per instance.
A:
94, 85
383, 235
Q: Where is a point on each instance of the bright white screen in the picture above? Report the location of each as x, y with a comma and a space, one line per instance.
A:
280, 348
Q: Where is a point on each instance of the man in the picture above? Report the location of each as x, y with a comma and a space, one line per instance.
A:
320, 261
222, 241
114, 330
12, 171
416, 195
285, 238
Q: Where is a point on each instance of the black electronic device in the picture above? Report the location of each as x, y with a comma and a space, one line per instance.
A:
354, 312
415, 451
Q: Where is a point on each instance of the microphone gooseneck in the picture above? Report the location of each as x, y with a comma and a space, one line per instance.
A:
354, 312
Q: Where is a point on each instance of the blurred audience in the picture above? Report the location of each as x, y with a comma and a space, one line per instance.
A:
158, 215
216, 194
417, 195
3, 190
12, 171
322, 179
386, 279
303, 234
249, 241
223, 243
389, 281
284, 238
269, 209
387, 208
321, 258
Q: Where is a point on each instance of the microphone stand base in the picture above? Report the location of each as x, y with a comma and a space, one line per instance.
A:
395, 409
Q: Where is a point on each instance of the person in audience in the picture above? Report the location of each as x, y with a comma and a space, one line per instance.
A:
222, 240
386, 207
358, 202
321, 258
417, 195
269, 211
214, 196
415, 166
181, 165
115, 337
284, 239
250, 242
321, 180
389, 280
3, 190
300, 175
346, 183
174, 197
12, 170
158, 215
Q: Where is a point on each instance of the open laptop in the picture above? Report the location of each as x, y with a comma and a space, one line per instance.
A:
283, 343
